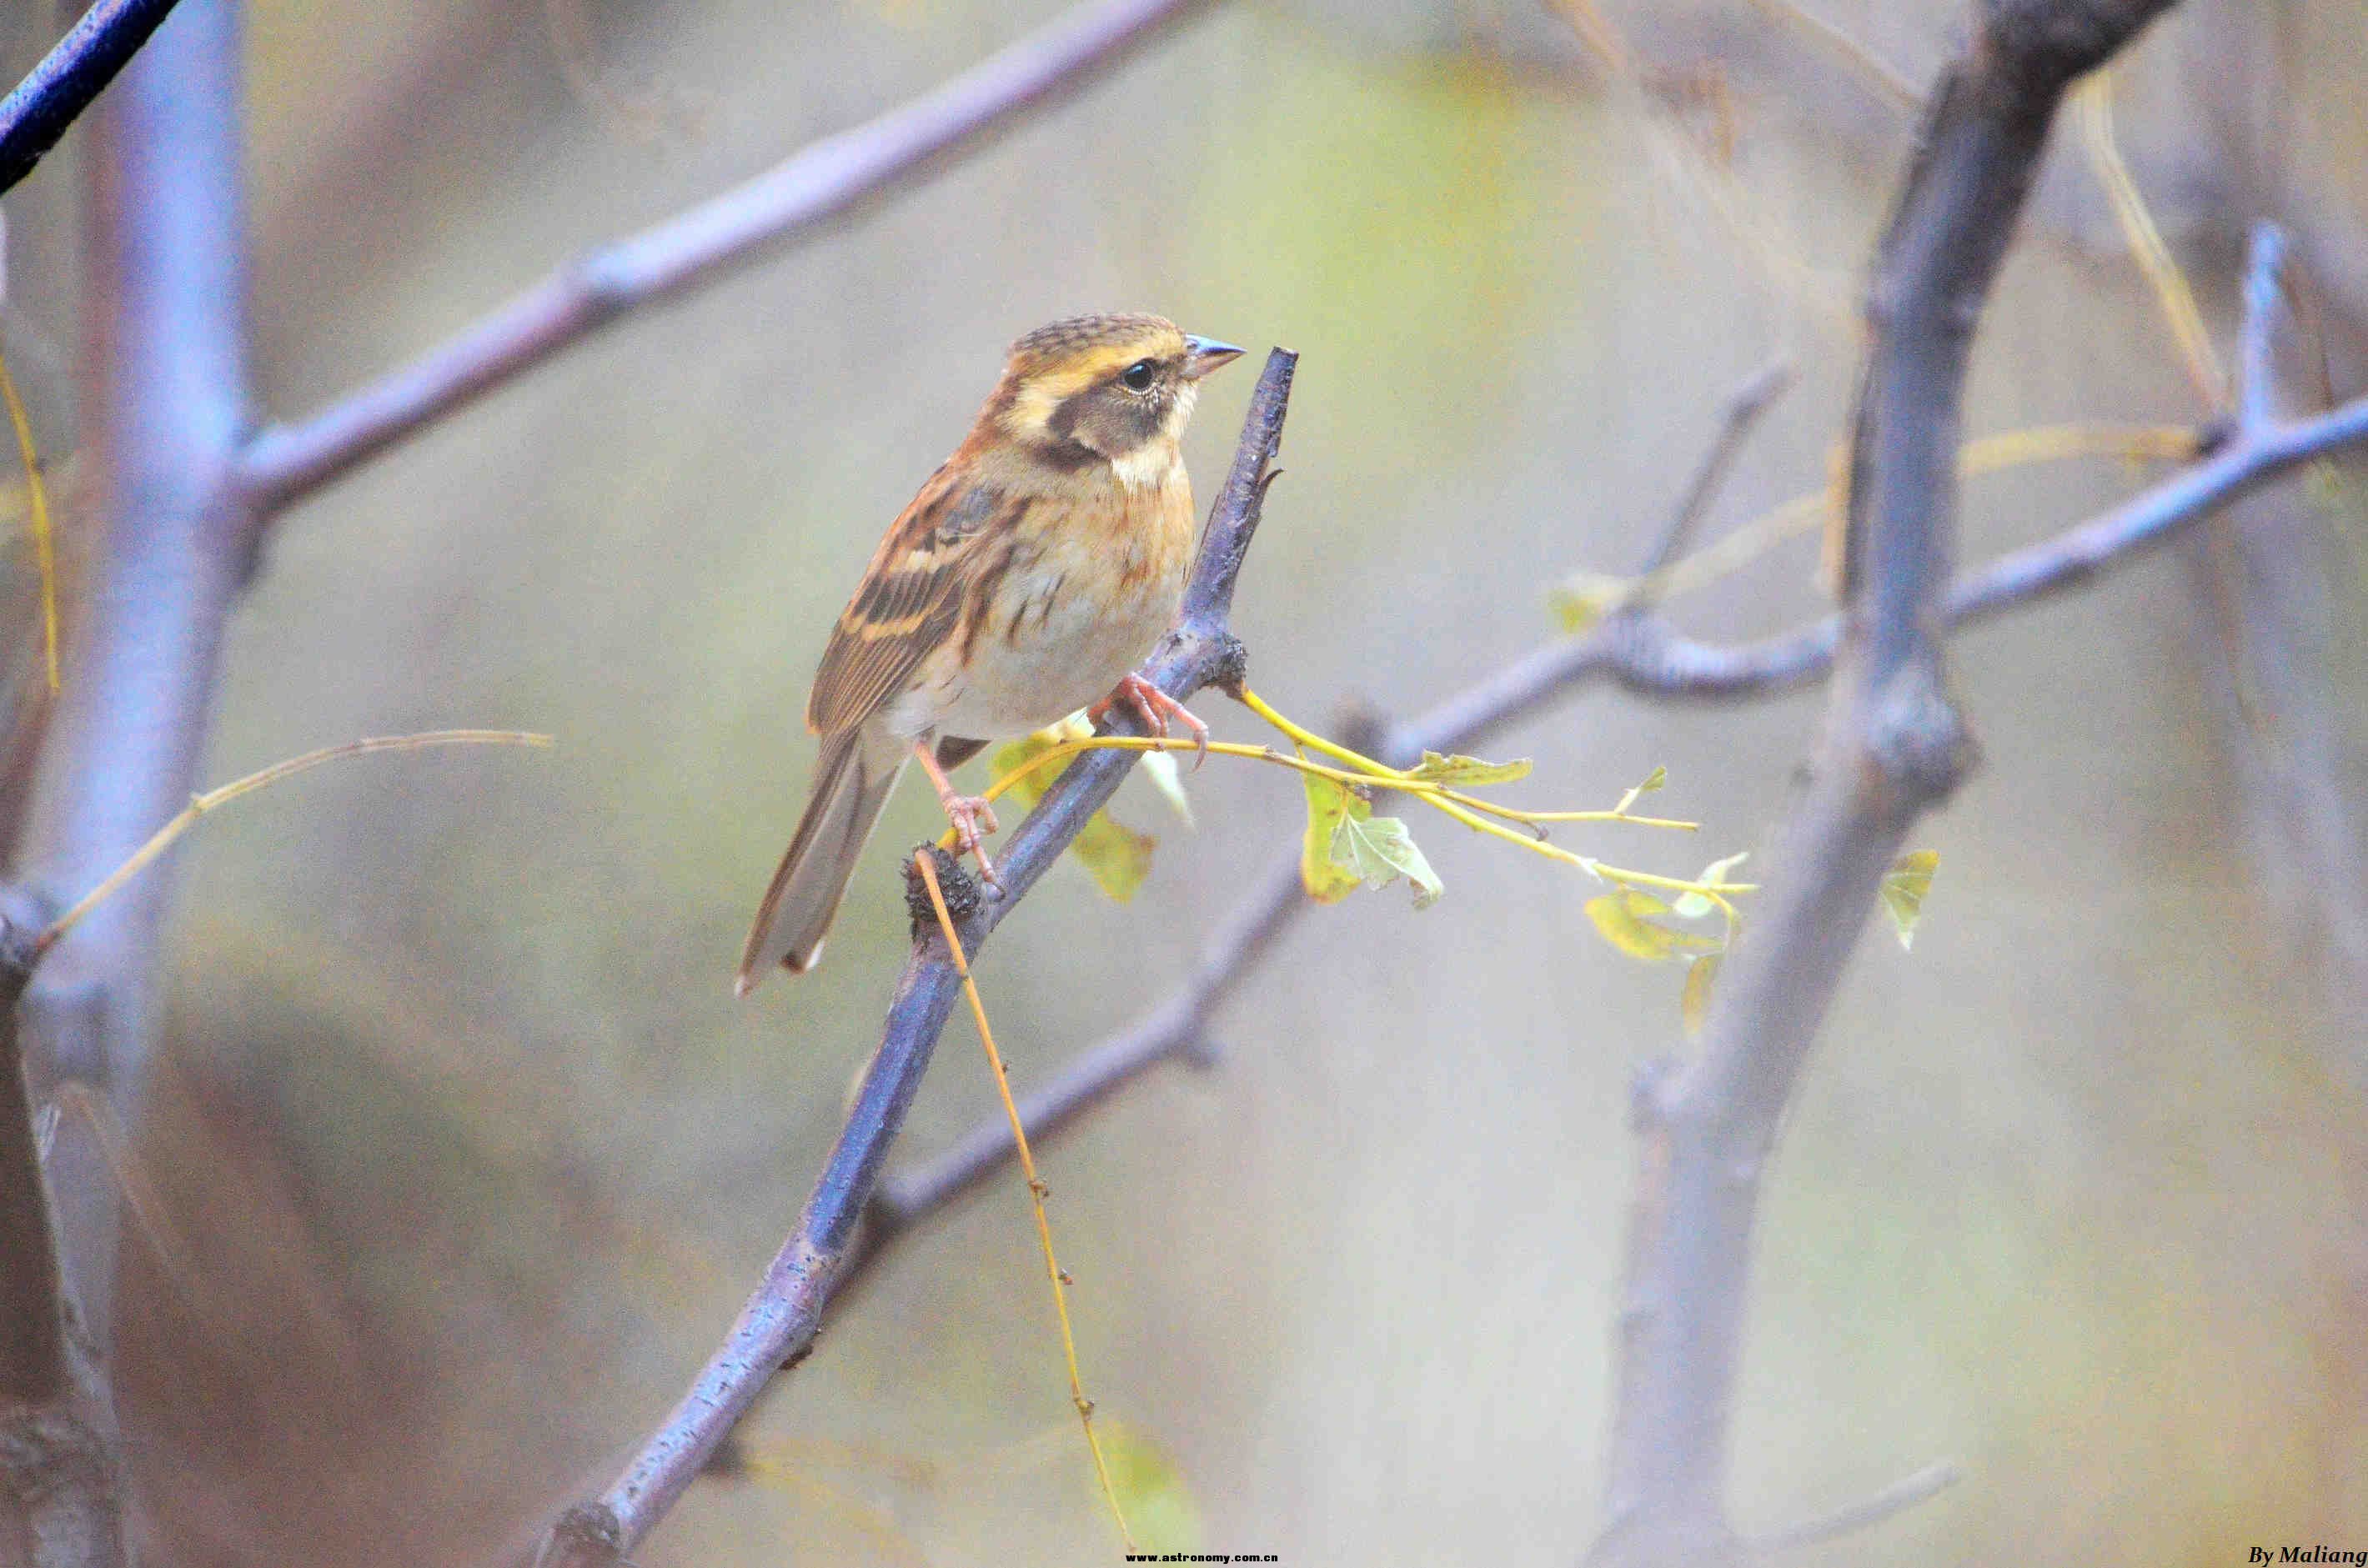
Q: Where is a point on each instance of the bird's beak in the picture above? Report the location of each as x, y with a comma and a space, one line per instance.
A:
1202, 354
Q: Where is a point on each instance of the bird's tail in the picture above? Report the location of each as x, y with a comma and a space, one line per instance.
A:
857, 771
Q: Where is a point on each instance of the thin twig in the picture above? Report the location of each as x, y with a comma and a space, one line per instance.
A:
2277, 698
2257, 385
925, 863
1175, 1030
1744, 407
779, 1324
794, 198
38, 110
165, 836
1801, 514
2139, 232
1897, 1498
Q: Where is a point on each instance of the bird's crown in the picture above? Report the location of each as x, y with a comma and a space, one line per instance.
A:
1081, 350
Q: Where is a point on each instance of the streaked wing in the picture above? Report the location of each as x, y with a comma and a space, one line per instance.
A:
910, 601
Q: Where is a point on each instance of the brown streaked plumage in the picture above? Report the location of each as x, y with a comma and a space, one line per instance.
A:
1031, 575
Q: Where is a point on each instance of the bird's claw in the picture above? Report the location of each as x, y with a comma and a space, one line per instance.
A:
973, 818
1155, 708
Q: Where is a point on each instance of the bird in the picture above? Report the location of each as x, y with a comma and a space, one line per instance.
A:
1031, 576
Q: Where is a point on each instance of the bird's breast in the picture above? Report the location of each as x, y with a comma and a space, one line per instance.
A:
1085, 589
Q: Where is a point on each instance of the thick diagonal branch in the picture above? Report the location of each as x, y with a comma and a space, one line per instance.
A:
777, 1325
38, 110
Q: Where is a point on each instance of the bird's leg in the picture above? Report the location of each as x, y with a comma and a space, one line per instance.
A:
1155, 708
970, 814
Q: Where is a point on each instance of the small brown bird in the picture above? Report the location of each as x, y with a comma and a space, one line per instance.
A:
1030, 576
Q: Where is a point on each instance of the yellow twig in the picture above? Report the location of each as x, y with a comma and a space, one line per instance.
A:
1363, 772
200, 805
2095, 100
772, 1462
1315, 743
1514, 813
1379, 773
1984, 454
1374, 776
44, 539
1037, 1190
1462, 809
1714, 891
1061, 751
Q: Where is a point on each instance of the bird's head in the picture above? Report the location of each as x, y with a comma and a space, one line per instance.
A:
1112, 389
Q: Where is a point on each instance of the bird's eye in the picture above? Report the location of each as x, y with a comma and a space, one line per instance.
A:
1139, 374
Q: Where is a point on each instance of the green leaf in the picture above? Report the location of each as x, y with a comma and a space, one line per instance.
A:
1581, 599
1115, 856
1328, 805
1694, 905
1653, 781
1347, 847
1461, 770
1160, 1509
1903, 888
1626, 919
1383, 850
1694, 1005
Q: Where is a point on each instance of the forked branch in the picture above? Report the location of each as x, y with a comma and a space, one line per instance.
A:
1893, 746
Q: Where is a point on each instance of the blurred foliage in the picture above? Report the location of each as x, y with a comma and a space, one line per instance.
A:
466, 1154
1115, 856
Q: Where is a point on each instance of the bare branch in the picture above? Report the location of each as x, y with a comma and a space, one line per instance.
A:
2257, 379
1744, 407
37, 112
792, 199
2268, 671
166, 405
777, 1326
1893, 746
1897, 1498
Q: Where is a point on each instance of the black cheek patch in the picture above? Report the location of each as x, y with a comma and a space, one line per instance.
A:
1062, 425
1067, 455
1107, 422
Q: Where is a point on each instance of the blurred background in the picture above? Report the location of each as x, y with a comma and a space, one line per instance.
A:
467, 1154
